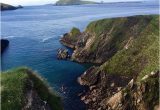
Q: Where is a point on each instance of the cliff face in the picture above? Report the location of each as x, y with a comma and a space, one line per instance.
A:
127, 49
103, 38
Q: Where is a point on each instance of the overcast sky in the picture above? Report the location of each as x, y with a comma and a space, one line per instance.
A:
40, 2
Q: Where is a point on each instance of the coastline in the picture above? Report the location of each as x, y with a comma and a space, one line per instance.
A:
39, 54
104, 87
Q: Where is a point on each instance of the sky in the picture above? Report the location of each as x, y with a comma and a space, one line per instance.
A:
41, 2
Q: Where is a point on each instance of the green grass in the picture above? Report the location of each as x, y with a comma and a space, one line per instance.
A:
73, 35
117, 31
141, 57
13, 85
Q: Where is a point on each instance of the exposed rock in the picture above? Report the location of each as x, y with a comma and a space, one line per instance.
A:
63, 54
112, 85
70, 39
32, 99
99, 87
130, 84
4, 45
145, 77
92, 87
89, 77
136, 98
115, 100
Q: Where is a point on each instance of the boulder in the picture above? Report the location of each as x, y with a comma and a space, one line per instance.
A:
89, 77
63, 54
4, 45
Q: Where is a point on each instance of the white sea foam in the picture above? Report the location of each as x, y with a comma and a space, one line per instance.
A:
8, 37
46, 39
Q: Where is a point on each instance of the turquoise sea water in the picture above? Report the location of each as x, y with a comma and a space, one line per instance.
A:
34, 33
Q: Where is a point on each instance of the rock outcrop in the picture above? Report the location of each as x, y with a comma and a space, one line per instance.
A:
5, 7
70, 39
63, 54
142, 96
4, 45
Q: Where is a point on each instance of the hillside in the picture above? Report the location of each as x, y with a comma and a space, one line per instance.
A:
23, 89
127, 50
73, 2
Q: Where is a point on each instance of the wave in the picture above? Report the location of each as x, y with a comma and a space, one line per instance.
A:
46, 39
8, 37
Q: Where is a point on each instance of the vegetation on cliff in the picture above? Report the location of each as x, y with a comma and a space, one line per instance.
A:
70, 39
104, 38
140, 54
23, 89
73, 2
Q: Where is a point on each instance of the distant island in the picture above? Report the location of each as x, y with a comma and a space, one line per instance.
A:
5, 7
73, 2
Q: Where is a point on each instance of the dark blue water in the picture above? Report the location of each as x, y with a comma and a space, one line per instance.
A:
34, 34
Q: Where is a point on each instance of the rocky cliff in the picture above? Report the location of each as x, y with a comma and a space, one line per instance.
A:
102, 39
127, 49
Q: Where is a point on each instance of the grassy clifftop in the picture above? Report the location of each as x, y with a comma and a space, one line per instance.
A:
104, 38
124, 46
21, 88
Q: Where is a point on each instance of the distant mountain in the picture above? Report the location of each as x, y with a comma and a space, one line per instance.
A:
73, 2
9, 7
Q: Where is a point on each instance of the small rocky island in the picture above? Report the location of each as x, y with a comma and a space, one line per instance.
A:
127, 52
4, 45
5, 7
73, 2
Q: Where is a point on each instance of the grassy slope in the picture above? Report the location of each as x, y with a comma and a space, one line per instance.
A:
117, 30
73, 34
13, 84
141, 56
